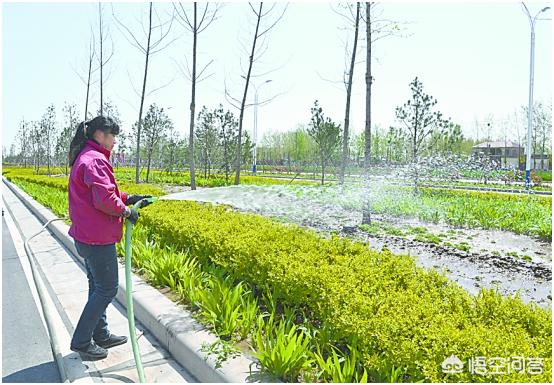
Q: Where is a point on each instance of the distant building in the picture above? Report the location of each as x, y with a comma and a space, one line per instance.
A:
508, 154
505, 153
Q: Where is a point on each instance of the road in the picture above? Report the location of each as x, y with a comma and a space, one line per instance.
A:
26, 357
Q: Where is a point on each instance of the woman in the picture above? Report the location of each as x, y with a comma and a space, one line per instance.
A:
96, 210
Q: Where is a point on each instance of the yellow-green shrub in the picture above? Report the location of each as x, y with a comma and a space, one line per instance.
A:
403, 315
60, 182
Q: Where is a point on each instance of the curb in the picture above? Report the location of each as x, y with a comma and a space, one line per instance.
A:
171, 324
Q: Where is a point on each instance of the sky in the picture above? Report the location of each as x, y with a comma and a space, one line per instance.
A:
473, 57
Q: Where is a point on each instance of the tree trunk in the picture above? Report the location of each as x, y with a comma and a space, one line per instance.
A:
250, 62
101, 64
542, 150
322, 171
348, 95
366, 211
137, 158
88, 81
414, 160
192, 106
148, 167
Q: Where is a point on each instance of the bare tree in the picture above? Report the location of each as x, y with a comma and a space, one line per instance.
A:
64, 138
542, 130
208, 16
545, 129
377, 28
48, 128
101, 61
24, 136
366, 210
87, 79
149, 49
37, 142
90, 58
348, 96
259, 33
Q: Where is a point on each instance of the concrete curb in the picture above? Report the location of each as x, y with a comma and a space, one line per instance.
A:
170, 323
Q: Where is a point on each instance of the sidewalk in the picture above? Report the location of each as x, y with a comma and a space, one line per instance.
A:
68, 289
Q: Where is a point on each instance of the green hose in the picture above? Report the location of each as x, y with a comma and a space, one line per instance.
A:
129, 289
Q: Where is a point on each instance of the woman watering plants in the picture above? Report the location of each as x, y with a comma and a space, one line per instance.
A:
96, 210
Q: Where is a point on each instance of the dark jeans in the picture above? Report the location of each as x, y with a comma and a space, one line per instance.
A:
101, 265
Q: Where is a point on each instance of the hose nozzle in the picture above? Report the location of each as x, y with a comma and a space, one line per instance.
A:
144, 202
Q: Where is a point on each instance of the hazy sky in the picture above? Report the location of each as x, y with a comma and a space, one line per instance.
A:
472, 56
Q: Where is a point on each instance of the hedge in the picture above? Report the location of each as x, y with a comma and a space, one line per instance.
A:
403, 315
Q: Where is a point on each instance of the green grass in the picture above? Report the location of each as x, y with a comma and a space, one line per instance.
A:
520, 213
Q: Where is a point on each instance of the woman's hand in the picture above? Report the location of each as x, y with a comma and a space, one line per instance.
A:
131, 214
132, 199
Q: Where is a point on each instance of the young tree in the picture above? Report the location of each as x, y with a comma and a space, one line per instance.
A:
64, 138
542, 130
227, 126
49, 129
419, 121
207, 139
101, 62
396, 143
156, 124
37, 142
326, 135
345, 141
366, 209
88, 81
170, 146
259, 33
447, 141
149, 48
196, 27
24, 139
376, 28
110, 110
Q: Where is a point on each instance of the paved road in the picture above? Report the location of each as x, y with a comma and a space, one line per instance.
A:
25, 357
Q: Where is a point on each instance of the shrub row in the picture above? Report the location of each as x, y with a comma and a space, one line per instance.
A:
403, 316
60, 182
215, 180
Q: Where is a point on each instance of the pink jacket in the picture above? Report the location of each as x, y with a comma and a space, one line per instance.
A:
95, 203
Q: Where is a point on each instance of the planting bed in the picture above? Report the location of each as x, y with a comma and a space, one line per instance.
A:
474, 258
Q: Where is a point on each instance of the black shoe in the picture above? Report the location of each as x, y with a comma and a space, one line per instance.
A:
92, 351
112, 341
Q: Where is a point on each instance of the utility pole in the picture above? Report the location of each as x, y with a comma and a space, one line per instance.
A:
530, 108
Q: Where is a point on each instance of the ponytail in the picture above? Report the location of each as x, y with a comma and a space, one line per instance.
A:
85, 130
77, 143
